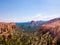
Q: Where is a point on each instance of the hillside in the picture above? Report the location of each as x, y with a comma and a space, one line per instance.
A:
10, 34
53, 27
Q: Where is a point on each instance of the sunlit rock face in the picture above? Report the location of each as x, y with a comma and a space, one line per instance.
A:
7, 29
52, 26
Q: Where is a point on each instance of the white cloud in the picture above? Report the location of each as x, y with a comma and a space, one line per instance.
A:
36, 17
45, 17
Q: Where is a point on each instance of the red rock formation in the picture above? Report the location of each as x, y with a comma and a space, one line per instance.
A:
53, 26
6, 29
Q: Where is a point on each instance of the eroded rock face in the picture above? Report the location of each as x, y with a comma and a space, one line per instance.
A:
6, 29
52, 26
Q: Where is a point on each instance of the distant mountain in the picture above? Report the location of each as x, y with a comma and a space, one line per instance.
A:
53, 26
31, 26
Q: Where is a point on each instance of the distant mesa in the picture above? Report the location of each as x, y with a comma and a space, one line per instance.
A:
38, 22
32, 21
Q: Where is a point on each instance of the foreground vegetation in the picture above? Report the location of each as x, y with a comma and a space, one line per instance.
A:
22, 38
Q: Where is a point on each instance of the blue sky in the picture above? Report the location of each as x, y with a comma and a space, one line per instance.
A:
27, 10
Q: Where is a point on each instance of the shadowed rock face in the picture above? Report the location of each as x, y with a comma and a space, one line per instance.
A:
53, 26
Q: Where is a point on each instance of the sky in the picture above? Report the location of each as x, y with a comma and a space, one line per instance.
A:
27, 10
